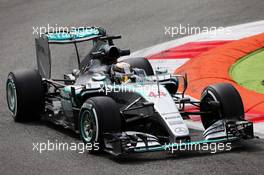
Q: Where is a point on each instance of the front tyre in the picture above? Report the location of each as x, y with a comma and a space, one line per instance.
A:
228, 99
98, 115
25, 95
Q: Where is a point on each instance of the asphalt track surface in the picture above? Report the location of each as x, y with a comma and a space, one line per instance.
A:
142, 25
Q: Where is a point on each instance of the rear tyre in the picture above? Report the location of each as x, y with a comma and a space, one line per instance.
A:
230, 104
140, 63
98, 115
25, 95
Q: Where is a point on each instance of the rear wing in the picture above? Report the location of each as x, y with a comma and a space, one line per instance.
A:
62, 37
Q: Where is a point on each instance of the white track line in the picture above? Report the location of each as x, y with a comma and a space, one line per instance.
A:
237, 32
169, 64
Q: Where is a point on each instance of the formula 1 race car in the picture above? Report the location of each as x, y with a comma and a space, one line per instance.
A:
124, 110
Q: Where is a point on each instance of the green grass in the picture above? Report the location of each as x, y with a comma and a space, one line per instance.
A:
249, 71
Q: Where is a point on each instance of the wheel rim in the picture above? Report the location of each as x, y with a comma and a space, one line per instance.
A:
88, 126
11, 97
209, 119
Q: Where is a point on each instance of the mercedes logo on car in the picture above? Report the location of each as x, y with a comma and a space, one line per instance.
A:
180, 130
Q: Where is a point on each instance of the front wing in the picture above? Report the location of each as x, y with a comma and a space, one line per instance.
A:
223, 131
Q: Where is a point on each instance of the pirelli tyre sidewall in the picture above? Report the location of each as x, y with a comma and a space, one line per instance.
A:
98, 115
231, 105
25, 95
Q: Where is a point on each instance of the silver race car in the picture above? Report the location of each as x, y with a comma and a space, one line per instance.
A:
121, 109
